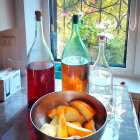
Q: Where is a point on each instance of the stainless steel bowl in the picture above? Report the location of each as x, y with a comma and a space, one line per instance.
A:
41, 106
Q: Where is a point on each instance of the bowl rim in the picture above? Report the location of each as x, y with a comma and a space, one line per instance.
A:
33, 106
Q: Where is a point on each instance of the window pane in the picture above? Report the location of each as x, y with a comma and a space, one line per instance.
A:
96, 16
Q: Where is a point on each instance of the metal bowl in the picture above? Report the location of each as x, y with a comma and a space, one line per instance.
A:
44, 104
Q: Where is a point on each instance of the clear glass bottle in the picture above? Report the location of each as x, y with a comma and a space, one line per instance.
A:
40, 65
75, 61
100, 74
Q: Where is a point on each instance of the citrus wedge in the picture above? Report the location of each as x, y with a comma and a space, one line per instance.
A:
62, 127
52, 113
85, 109
55, 121
73, 115
61, 110
76, 130
77, 123
90, 124
48, 129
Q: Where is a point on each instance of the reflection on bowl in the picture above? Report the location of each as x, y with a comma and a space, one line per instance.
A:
44, 104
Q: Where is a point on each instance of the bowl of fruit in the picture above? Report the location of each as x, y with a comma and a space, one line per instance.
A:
68, 115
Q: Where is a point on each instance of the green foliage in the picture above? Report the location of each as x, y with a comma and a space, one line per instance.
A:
115, 50
89, 35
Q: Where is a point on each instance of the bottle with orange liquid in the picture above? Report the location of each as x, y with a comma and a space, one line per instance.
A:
40, 65
75, 61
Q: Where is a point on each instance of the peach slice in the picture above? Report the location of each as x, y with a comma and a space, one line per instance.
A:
90, 124
52, 113
72, 115
76, 130
49, 129
62, 127
55, 121
85, 109
61, 110
77, 123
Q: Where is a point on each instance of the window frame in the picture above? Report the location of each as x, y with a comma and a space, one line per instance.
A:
132, 59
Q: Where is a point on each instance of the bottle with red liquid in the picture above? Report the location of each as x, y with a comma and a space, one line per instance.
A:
40, 65
75, 61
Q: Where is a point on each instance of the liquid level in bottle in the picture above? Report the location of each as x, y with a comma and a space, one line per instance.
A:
40, 79
75, 72
101, 83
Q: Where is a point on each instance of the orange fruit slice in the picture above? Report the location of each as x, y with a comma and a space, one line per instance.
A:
62, 127
61, 109
52, 113
73, 115
77, 123
76, 130
55, 121
90, 124
48, 129
85, 109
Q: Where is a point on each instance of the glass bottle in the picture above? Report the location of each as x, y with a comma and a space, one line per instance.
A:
75, 62
40, 65
100, 74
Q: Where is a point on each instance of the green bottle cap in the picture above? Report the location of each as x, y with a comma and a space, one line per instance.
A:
75, 19
38, 15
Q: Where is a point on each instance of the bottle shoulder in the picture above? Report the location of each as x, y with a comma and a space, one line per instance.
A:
39, 51
75, 47
101, 63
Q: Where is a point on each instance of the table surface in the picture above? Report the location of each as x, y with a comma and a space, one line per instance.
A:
122, 123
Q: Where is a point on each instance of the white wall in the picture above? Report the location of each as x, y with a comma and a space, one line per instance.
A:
23, 34
17, 50
9, 51
46, 21
29, 9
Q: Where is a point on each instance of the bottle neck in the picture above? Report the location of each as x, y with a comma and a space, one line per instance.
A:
101, 61
101, 50
39, 35
75, 30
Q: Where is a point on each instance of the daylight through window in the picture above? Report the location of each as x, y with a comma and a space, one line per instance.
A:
107, 17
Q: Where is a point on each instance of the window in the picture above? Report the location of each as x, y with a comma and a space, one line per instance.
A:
111, 17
